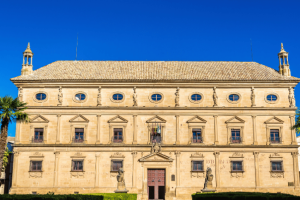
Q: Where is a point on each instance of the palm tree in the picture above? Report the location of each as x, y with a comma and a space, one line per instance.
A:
11, 110
297, 124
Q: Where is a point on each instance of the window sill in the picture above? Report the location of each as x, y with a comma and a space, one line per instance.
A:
76, 171
200, 143
237, 171
277, 174
35, 171
236, 143
35, 174
198, 171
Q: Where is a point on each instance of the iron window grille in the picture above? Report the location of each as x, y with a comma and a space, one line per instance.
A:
197, 166
276, 166
197, 136
118, 135
38, 135
236, 136
274, 136
237, 166
79, 135
36, 166
77, 165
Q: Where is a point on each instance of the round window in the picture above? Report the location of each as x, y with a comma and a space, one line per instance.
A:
196, 97
234, 97
40, 96
272, 97
117, 97
80, 97
156, 97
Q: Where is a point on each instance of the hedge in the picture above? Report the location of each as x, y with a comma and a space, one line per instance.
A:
96, 196
243, 196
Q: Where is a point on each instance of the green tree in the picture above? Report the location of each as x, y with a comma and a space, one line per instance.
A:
297, 124
11, 110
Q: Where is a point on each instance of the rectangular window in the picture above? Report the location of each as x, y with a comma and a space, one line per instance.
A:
274, 136
36, 166
38, 135
77, 165
118, 135
276, 166
235, 136
116, 165
156, 133
237, 165
197, 135
197, 165
79, 135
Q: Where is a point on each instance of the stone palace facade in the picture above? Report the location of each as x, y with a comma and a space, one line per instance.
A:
163, 123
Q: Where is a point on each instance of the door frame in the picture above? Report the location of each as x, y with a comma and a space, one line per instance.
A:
156, 165
164, 178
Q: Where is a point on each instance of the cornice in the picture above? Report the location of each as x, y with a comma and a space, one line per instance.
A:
157, 108
163, 145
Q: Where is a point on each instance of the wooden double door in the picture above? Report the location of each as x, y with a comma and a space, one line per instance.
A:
156, 184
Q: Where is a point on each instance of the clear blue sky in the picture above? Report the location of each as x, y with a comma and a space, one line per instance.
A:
147, 30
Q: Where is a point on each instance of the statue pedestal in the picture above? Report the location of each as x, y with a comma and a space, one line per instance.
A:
207, 190
121, 188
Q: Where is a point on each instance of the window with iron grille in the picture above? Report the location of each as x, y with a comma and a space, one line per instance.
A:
236, 165
197, 135
235, 135
274, 136
197, 166
118, 135
38, 135
116, 165
36, 166
276, 166
156, 133
77, 165
79, 135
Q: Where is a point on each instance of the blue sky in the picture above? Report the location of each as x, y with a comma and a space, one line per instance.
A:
147, 30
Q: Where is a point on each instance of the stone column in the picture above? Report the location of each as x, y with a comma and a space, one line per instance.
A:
134, 130
97, 170
296, 169
15, 169
58, 129
18, 131
293, 133
216, 129
254, 130
56, 165
134, 153
256, 164
177, 153
177, 130
217, 154
98, 129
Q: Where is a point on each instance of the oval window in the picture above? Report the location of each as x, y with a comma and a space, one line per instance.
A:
234, 97
117, 97
80, 97
156, 97
272, 97
40, 96
196, 97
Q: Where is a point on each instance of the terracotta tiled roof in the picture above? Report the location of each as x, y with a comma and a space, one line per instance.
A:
155, 71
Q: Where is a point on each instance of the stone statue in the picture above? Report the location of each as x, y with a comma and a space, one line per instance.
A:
215, 97
156, 148
20, 97
292, 98
99, 97
121, 188
208, 179
177, 97
252, 97
60, 96
134, 97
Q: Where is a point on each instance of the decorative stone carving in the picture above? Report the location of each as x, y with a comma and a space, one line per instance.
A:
134, 96
121, 188
208, 181
197, 155
177, 97
252, 97
79, 175
60, 96
99, 97
35, 174
277, 174
237, 155
156, 148
236, 174
39, 119
197, 174
215, 97
117, 155
292, 98
20, 97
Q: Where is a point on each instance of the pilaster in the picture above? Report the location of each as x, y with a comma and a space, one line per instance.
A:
97, 170
177, 130
177, 153
254, 130
58, 129
134, 130
293, 133
296, 169
15, 169
18, 132
56, 165
217, 154
256, 164
98, 129
216, 129
134, 153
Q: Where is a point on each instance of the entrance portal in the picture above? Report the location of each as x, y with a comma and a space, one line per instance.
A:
156, 184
